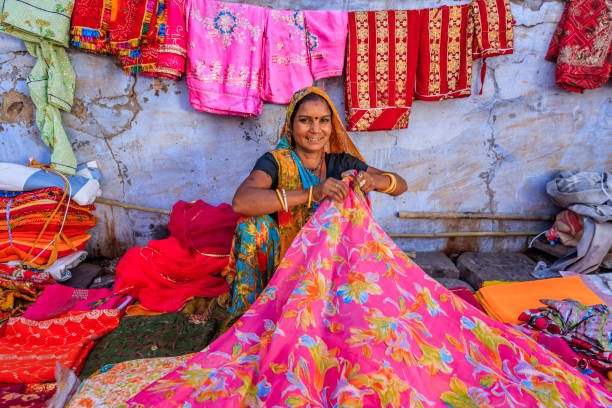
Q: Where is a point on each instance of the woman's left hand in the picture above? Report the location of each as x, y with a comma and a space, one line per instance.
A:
364, 181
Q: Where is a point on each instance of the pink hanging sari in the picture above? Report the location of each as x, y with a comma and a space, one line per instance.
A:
348, 320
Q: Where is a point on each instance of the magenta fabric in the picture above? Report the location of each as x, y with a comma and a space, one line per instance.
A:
286, 61
327, 32
57, 299
467, 295
224, 57
348, 320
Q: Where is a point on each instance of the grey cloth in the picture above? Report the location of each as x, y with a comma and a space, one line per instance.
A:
588, 194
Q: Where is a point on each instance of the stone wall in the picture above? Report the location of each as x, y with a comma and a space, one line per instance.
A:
490, 153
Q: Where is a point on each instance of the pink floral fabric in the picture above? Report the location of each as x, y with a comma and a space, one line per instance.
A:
349, 321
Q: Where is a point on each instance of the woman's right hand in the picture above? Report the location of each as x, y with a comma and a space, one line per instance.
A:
330, 187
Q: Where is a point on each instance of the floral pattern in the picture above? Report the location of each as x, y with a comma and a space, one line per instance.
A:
348, 320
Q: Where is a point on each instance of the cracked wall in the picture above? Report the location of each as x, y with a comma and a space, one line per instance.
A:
492, 152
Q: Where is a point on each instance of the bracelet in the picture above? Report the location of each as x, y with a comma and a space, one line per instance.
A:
309, 197
392, 183
285, 199
280, 198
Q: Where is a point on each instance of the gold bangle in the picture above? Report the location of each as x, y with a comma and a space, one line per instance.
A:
285, 199
309, 197
392, 183
280, 198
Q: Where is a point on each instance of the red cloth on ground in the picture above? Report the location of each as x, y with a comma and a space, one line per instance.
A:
202, 226
29, 349
582, 45
167, 273
465, 294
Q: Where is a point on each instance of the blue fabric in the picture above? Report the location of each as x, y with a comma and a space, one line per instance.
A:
307, 177
5, 193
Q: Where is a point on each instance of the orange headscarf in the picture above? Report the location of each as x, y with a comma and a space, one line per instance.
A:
339, 141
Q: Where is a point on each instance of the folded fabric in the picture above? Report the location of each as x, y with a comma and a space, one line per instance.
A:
16, 294
506, 302
582, 45
60, 270
39, 19
84, 185
114, 384
465, 294
166, 335
14, 270
58, 299
446, 40
381, 63
166, 274
29, 349
204, 227
19, 398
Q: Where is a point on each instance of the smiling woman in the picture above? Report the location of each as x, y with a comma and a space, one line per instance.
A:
287, 185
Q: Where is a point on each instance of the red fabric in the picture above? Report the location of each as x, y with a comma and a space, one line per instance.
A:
129, 21
465, 294
204, 227
29, 349
380, 68
167, 273
582, 45
444, 68
493, 28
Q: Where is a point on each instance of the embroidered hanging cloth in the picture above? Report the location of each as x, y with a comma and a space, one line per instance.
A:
44, 26
445, 53
380, 68
349, 320
493, 28
29, 349
582, 45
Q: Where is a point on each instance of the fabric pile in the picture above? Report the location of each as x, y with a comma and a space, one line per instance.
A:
506, 301
167, 273
586, 329
44, 26
16, 294
147, 36
395, 56
43, 226
19, 396
582, 45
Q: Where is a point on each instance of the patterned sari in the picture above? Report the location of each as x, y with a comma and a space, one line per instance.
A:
260, 242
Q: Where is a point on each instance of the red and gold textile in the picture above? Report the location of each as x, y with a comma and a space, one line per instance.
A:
16, 294
493, 28
445, 53
172, 53
90, 24
145, 58
582, 45
130, 21
380, 68
29, 349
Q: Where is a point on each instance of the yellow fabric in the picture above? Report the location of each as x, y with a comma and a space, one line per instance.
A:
496, 282
505, 302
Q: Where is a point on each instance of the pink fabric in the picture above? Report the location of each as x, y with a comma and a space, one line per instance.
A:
285, 54
58, 299
349, 320
327, 32
224, 62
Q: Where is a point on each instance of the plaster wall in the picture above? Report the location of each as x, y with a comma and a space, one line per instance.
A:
489, 153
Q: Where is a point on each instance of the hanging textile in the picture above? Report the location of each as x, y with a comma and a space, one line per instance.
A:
29, 349
326, 33
582, 45
44, 26
349, 320
493, 28
90, 25
380, 68
444, 69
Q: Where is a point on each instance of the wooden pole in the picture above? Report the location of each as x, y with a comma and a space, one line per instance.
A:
115, 203
466, 234
474, 216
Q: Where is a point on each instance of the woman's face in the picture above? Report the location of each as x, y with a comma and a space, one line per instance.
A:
312, 125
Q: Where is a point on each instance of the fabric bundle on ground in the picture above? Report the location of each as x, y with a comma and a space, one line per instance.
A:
246, 54
167, 273
165, 335
29, 349
587, 329
582, 45
16, 294
505, 302
16, 396
58, 299
44, 26
349, 320
39, 226
114, 384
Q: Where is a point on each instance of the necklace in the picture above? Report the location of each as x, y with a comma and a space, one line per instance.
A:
318, 165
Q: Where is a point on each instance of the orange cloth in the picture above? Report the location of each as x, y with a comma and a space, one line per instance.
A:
505, 302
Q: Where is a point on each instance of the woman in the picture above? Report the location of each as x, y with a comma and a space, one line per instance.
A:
287, 184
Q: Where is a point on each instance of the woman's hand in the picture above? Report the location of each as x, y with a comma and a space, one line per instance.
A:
332, 188
364, 181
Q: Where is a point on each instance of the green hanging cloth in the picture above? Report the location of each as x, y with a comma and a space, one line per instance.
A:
44, 25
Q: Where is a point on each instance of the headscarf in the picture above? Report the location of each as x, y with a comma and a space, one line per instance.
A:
339, 141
